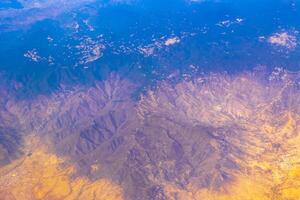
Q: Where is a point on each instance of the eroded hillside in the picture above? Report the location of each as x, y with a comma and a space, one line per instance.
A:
216, 137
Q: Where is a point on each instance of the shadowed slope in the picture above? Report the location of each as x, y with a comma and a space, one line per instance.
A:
253, 129
10, 143
217, 137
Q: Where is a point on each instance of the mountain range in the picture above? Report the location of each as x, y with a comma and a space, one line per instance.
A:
217, 136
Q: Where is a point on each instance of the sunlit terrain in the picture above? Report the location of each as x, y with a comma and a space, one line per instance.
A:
149, 100
214, 137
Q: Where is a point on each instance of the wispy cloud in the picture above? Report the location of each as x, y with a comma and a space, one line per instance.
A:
283, 39
32, 11
37, 10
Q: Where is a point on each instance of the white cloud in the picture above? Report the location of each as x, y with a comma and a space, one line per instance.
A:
283, 39
32, 55
172, 41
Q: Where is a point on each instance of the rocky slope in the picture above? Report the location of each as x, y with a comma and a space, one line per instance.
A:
215, 137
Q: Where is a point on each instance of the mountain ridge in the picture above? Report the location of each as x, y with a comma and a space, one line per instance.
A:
213, 137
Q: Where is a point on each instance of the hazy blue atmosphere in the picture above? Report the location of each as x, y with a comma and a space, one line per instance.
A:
44, 43
149, 100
